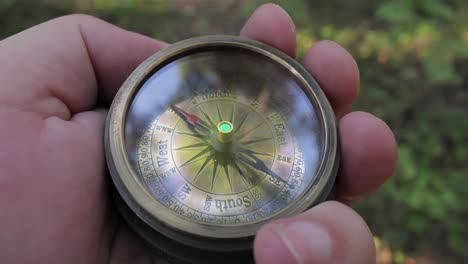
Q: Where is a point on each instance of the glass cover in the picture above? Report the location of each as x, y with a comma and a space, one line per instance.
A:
223, 136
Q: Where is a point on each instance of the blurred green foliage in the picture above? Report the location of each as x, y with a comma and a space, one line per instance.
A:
413, 57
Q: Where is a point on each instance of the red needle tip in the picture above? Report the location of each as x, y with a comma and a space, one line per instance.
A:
192, 119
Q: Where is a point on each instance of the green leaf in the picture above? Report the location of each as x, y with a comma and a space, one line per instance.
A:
417, 223
457, 242
440, 68
437, 8
398, 11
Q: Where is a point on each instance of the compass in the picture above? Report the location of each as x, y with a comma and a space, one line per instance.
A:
213, 137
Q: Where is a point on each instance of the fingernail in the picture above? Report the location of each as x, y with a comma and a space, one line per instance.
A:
307, 242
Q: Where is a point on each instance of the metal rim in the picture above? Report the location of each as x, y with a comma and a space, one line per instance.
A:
165, 220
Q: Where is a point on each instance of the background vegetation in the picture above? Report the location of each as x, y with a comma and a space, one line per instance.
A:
413, 56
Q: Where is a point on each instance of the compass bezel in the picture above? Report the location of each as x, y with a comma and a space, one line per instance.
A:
164, 220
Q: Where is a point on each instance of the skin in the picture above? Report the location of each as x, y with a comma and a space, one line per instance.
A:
53, 184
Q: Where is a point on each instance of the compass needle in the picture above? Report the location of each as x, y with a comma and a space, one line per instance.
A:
260, 165
192, 121
214, 137
244, 176
252, 153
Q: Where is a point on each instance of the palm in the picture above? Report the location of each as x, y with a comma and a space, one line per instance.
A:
53, 185
54, 197
59, 189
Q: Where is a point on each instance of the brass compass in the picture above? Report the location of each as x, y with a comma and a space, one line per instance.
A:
211, 138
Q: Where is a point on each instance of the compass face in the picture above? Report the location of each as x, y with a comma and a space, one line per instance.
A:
219, 139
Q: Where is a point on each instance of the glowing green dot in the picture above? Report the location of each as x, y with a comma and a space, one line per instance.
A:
225, 127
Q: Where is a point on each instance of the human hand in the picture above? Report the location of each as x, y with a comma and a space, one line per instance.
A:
53, 187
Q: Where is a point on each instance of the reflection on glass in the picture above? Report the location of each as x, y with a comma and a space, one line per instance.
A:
173, 136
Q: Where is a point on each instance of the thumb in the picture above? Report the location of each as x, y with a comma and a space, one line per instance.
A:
328, 233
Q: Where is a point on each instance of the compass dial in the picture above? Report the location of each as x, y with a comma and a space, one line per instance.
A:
214, 137
228, 182
219, 163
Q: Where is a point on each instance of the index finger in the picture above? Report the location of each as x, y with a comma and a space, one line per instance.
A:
58, 68
332, 66
367, 145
